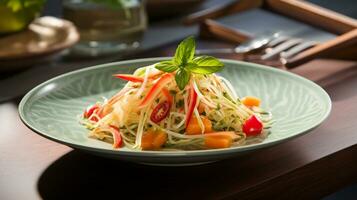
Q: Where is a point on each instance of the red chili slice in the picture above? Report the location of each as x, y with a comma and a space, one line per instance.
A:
160, 112
252, 126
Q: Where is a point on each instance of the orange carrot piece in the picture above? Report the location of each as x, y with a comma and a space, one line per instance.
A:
208, 124
219, 140
194, 128
167, 95
223, 134
146, 140
201, 108
159, 140
153, 140
217, 143
251, 101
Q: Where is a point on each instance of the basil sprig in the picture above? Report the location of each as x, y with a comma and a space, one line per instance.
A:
186, 63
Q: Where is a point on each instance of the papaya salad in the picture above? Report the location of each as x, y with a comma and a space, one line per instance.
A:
178, 104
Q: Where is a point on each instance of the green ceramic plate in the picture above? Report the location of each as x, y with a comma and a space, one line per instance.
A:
51, 109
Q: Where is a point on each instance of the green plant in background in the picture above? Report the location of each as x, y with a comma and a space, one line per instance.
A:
15, 15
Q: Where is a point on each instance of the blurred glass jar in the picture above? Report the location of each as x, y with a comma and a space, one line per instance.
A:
106, 26
15, 15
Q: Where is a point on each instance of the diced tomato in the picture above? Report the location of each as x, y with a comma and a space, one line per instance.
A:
160, 112
252, 126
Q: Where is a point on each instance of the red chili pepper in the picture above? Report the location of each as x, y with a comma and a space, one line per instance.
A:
252, 126
90, 110
129, 77
160, 112
191, 104
165, 79
167, 94
117, 137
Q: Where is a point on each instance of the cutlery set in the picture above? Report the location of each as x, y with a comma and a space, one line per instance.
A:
291, 51
273, 45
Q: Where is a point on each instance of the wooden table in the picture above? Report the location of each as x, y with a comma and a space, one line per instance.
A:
310, 166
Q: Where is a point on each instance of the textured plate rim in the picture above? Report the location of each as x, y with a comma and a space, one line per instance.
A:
168, 154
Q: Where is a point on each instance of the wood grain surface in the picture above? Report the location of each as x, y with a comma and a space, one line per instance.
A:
338, 44
314, 14
307, 167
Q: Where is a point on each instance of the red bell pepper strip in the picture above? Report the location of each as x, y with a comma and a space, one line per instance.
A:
156, 88
137, 79
88, 114
252, 126
191, 104
117, 137
129, 77
168, 96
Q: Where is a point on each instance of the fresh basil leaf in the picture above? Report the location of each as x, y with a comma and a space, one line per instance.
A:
166, 66
207, 61
182, 77
190, 66
205, 70
205, 65
185, 51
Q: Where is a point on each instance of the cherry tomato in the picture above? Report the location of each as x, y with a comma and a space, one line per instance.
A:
252, 126
160, 112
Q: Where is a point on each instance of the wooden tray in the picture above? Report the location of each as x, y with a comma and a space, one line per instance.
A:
343, 46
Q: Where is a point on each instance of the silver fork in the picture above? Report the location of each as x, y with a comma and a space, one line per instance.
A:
258, 42
286, 47
275, 45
